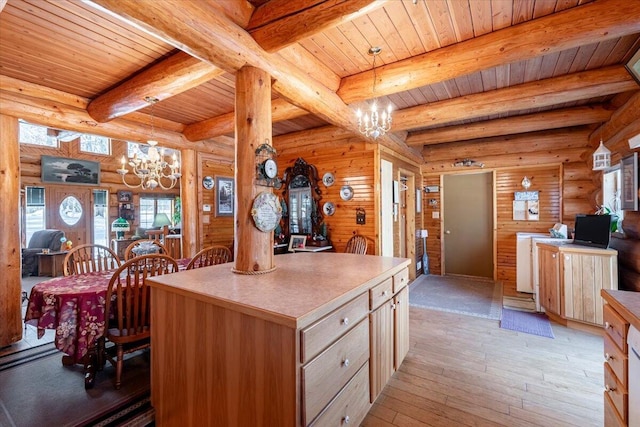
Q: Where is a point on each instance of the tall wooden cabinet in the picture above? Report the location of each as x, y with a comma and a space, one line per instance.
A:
571, 278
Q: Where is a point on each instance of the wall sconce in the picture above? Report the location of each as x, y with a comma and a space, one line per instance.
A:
601, 158
526, 183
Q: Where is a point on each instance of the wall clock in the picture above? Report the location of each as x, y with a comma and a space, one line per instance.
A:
266, 166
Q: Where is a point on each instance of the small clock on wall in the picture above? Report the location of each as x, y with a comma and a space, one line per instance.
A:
266, 166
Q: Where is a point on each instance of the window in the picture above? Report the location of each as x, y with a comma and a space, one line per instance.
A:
95, 144
36, 135
611, 187
35, 211
100, 220
150, 206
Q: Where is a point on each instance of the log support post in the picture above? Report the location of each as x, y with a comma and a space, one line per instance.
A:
10, 254
253, 248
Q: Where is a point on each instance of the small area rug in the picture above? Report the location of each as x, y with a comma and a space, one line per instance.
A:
472, 296
37, 390
527, 322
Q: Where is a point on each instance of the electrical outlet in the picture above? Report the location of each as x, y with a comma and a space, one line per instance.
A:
360, 216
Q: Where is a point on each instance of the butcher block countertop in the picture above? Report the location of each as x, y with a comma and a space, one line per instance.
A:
626, 303
303, 288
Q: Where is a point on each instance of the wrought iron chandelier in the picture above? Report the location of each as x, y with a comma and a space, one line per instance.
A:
378, 123
153, 170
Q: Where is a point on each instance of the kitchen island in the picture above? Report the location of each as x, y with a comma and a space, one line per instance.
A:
312, 342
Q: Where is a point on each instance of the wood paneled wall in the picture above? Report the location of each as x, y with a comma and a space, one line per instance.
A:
352, 163
213, 230
552, 160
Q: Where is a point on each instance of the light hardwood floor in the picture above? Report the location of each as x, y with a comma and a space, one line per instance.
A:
466, 371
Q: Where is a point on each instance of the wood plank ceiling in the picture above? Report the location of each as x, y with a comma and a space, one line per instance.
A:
452, 69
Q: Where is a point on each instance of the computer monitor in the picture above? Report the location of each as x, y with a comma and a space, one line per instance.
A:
593, 230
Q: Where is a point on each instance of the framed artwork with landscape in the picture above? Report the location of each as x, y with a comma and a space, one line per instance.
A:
630, 183
61, 170
224, 196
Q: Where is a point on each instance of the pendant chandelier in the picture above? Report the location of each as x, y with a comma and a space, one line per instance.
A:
376, 124
152, 170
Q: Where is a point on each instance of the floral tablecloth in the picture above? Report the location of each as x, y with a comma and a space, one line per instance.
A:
74, 306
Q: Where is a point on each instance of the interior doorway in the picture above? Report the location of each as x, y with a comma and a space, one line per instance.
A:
468, 224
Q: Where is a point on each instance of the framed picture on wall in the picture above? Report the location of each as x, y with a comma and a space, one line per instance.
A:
224, 196
60, 170
629, 194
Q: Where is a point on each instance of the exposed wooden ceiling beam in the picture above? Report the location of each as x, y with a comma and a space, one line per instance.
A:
194, 28
280, 23
511, 125
600, 20
165, 79
542, 93
225, 123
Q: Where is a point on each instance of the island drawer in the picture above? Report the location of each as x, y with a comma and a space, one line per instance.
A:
321, 334
616, 327
350, 405
400, 280
324, 376
381, 293
616, 359
616, 392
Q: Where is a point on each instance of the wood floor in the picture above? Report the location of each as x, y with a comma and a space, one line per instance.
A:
466, 371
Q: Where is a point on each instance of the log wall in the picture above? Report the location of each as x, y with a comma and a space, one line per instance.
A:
212, 229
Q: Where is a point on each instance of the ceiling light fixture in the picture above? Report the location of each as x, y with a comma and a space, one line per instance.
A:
468, 163
152, 170
377, 124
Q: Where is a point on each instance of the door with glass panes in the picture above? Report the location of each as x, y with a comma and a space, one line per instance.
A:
69, 210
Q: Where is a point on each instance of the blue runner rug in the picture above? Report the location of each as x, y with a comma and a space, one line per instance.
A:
527, 322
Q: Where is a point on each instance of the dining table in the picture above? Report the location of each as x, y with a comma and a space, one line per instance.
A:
74, 306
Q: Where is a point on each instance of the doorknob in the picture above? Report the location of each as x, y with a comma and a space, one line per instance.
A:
447, 232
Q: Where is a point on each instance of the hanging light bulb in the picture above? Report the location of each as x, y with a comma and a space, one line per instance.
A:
378, 123
154, 170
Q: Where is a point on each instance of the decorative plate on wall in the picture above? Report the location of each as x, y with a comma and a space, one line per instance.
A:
207, 182
329, 208
266, 211
328, 179
346, 192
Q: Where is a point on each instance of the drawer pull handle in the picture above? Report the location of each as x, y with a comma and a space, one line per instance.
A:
608, 357
609, 389
346, 419
385, 293
345, 363
345, 321
607, 325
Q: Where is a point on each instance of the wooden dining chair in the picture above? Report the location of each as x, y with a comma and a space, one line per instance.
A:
130, 253
357, 245
127, 301
210, 256
90, 258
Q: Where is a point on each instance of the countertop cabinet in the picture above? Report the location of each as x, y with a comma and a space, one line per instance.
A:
280, 352
620, 309
571, 278
549, 275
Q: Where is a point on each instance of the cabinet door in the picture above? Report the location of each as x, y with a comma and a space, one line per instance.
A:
549, 279
401, 312
381, 336
583, 276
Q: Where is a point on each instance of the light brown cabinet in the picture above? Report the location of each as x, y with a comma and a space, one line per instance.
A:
571, 278
616, 368
389, 328
280, 351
